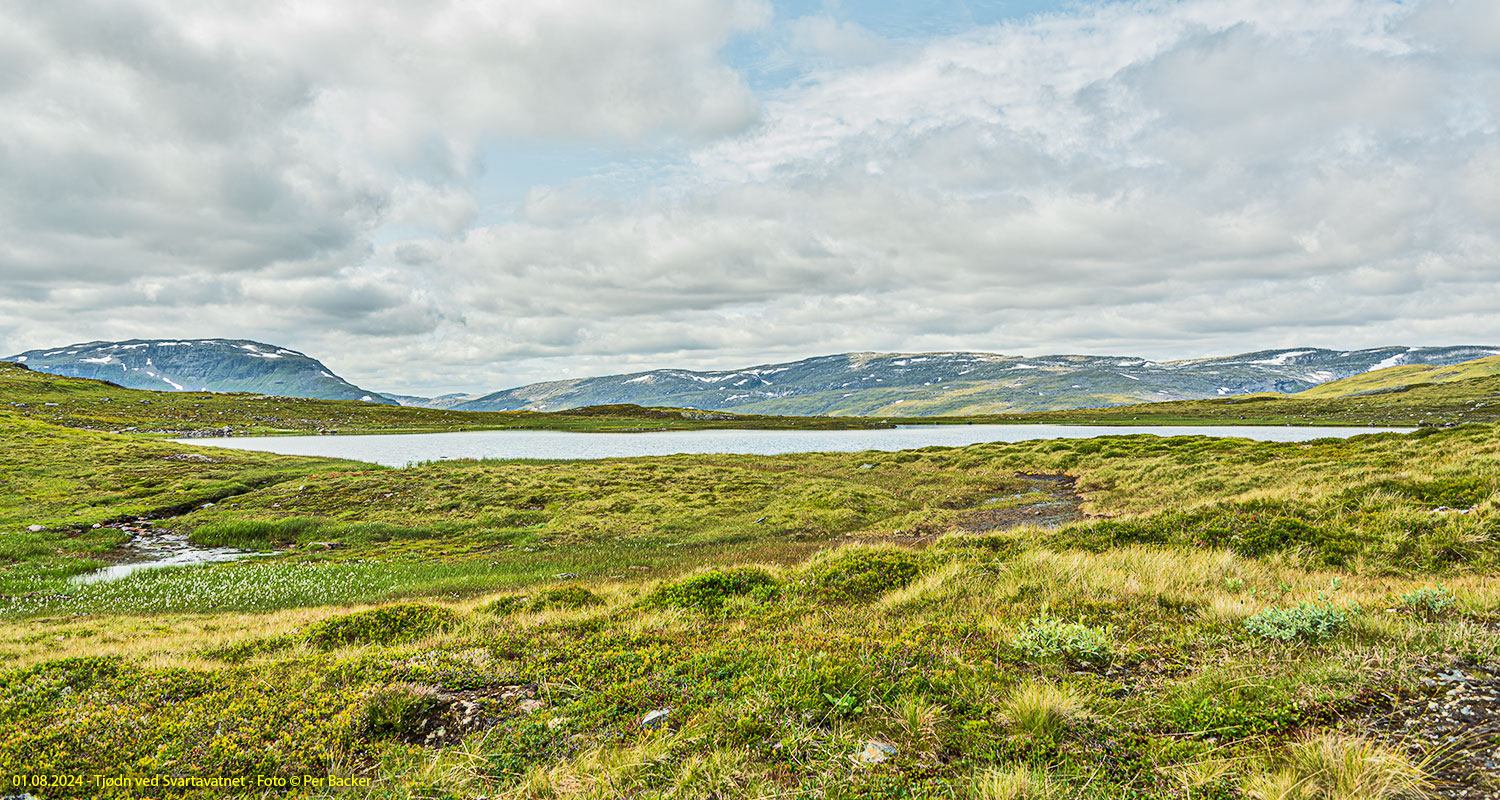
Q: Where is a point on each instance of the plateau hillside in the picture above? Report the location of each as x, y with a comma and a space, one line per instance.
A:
199, 365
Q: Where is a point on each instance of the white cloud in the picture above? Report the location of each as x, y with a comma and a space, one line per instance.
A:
1156, 178
157, 136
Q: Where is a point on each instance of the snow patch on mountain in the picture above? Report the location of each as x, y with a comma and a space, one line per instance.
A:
1282, 359
1394, 361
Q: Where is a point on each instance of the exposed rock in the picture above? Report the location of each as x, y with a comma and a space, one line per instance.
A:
704, 416
193, 457
875, 752
656, 718
564, 576
36, 528
454, 715
1454, 721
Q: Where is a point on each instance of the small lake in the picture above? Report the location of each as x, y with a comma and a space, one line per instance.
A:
399, 450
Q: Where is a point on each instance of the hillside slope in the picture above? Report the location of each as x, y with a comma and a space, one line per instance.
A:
929, 384
212, 365
1396, 379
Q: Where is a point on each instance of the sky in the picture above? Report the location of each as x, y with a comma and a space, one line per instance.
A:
456, 195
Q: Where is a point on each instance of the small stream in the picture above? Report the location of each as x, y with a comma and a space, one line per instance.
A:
153, 548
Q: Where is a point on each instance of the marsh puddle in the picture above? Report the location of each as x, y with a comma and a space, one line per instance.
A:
157, 548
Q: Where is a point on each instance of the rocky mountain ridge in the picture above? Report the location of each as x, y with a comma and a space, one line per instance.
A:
190, 365
928, 384
867, 384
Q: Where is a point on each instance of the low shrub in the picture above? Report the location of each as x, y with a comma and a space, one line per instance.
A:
244, 651
1253, 528
1453, 491
384, 625
1220, 707
1428, 603
1308, 623
710, 590
509, 604
395, 711
1048, 637
564, 597
862, 574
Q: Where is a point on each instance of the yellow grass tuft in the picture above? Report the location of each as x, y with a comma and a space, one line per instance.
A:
1042, 709
1332, 766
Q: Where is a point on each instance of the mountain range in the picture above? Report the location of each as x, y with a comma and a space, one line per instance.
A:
928, 384
869, 384
215, 365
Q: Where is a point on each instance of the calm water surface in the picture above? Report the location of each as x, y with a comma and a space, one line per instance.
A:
398, 450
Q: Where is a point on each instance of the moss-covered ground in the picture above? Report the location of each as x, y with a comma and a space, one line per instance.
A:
1224, 621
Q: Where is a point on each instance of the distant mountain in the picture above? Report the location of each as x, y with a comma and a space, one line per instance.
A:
214, 365
927, 384
423, 402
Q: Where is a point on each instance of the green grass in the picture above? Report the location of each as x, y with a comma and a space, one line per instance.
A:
1202, 634
1404, 378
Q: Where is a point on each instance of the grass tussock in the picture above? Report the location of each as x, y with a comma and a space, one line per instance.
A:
1041, 709
1016, 783
1336, 767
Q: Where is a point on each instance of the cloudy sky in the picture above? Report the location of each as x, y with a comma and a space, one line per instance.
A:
470, 195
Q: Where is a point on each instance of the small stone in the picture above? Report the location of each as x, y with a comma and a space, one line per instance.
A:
656, 718
867, 466
563, 576
36, 528
530, 706
875, 752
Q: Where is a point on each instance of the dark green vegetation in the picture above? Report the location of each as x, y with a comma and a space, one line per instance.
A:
1227, 622
96, 405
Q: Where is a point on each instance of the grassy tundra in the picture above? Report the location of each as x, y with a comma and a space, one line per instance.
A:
1198, 618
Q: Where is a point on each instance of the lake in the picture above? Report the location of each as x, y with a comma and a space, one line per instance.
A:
397, 450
